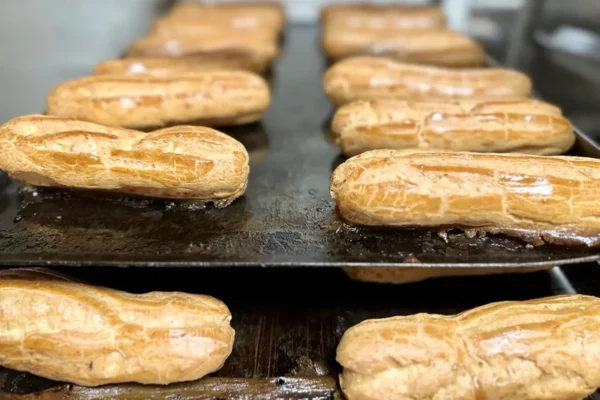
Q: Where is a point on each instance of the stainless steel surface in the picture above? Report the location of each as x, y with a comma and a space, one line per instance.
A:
286, 217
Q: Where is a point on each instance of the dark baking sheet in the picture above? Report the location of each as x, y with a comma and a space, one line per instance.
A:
285, 218
288, 323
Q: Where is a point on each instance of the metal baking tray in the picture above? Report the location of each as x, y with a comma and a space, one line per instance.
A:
286, 217
288, 323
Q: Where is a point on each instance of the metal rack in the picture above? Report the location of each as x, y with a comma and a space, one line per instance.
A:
288, 320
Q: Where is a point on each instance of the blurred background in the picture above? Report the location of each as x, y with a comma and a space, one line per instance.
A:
556, 41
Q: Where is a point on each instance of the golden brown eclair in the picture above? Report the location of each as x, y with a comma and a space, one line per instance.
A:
540, 199
380, 16
544, 349
488, 126
256, 50
400, 275
181, 162
162, 66
209, 98
416, 46
240, 15
70, 331
169, 28
371, 78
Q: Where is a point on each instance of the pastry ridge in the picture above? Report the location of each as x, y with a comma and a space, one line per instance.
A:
239, 15
419, 46
163, 66
373, 78
143, 102
479, 125
541, 199
258, 48
70, 331
382, 17
533, 350
186, 162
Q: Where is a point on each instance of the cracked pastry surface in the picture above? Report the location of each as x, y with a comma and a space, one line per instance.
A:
263, 15
182, 162
382, 17
419, 46
544, 349
70, 331
254, 49
208, 98
373, 78
540, 199
163, 66
487, 126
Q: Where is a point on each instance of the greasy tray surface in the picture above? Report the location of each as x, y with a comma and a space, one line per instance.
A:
286, 348
285, 218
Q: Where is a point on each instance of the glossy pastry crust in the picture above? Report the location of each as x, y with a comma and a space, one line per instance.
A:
418, 46
545, 349
382, 17
399, 275
208, 98
257, 48
69, 331
165, 66
182, 162
539, 199
241, 35
371, 78
487, 126
244, 16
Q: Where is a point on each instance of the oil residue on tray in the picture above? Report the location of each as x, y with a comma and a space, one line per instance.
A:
284, 218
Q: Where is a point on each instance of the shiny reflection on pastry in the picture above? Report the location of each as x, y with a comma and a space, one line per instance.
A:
206, 98
538, 349
245, 53
390, 17
415, 46
243, 15
480, 125
172, 66
539, 199
181, 162
70, 331
399, 275
374, 78
255, 139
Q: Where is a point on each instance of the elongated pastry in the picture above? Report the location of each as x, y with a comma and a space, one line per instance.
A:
371, 78
545, 349
209, 98
399, 275
182, 162
498, 125
419, 46
169, 28
164, 67
255, 51
70, 331
539, 199
382, 16
238, 15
